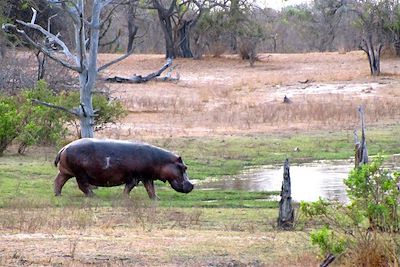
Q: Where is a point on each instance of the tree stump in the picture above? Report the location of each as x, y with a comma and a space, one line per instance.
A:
286, 211
361, 151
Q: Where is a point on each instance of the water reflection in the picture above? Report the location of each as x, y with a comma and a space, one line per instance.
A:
309, 181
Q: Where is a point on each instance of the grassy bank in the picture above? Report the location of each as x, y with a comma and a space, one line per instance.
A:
203, 228
217, 156
31, 176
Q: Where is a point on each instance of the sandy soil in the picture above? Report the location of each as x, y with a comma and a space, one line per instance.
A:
218, 96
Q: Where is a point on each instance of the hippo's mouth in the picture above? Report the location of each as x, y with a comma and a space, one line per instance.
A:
185, 187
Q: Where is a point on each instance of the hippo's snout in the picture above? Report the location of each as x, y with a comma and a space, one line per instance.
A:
187, 187
184, 187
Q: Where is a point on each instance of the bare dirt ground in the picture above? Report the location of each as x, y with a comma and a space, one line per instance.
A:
218, 96
147, 237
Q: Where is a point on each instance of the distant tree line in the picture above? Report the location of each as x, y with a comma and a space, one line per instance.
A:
192, 28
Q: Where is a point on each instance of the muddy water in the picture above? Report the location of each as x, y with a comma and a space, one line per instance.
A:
309, 181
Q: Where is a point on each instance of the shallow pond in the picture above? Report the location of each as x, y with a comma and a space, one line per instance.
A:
309, 181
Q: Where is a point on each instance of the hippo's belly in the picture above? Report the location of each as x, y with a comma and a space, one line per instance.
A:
110, 177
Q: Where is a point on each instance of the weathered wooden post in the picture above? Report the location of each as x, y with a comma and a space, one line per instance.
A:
361, 152
286, 211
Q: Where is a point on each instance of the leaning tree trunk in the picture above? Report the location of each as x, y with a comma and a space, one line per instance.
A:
286, 211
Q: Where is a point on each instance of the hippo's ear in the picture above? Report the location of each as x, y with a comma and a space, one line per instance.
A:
179, 159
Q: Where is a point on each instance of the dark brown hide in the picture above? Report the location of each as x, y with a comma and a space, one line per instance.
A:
112, 162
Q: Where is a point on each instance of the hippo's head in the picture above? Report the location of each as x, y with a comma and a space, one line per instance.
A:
175, 174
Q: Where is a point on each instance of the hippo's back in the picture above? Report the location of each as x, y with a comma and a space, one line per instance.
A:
94, 153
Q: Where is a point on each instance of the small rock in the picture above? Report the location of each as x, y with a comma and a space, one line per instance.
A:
286, 100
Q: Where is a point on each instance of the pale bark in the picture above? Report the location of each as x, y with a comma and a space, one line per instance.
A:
83, 61
143, 79
361, 151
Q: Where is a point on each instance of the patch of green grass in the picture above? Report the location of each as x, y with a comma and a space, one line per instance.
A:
218, 156
30, 178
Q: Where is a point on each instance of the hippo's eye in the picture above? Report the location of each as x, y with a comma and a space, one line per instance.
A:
182, 167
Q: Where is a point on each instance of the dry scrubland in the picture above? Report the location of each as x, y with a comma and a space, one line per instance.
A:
218, 96
215, 96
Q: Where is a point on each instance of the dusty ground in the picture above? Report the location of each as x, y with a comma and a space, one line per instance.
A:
148, 236
132, 247
218, 96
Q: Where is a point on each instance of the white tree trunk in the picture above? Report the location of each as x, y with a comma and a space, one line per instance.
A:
87, 77
85, 62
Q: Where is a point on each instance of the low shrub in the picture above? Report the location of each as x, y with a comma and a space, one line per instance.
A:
364, 232
30, 124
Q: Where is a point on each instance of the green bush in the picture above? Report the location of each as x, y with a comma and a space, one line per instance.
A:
107, 110
9, 121
366, 230
41, 125
374, 193
30, 124
327, 241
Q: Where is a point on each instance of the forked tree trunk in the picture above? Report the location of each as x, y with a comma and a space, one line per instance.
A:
286, 211
374, 55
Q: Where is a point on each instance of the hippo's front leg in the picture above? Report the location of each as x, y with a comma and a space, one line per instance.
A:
149, 185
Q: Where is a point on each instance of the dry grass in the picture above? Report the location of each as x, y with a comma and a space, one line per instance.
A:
225, 96
139, 233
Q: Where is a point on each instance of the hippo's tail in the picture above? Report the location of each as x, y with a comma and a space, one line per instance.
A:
57, 160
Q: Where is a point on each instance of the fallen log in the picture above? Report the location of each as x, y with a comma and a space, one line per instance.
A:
149, 77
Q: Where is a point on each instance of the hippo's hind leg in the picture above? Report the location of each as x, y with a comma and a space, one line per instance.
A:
149, 185
130, 185
84, 186
59, 182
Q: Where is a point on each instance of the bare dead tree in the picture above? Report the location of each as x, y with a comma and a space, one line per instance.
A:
361, 152
83, 60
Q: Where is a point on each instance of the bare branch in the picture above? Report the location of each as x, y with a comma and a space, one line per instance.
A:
141, 79
51, 37
115, 61
70, 111
49, 21
41, 48
34, 15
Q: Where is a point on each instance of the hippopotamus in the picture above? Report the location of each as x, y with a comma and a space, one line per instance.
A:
97, 162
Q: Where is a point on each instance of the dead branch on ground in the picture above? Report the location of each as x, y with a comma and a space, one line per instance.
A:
149, 77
